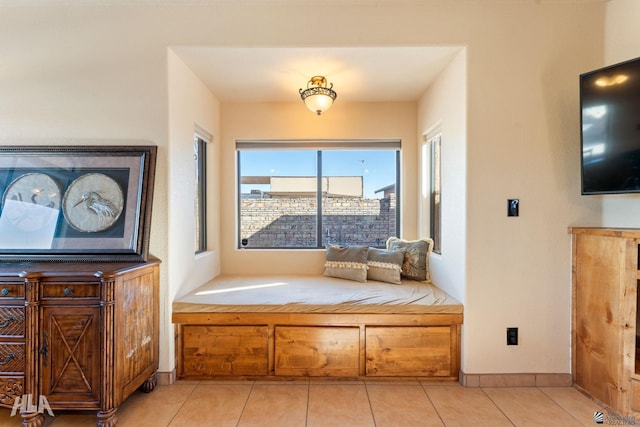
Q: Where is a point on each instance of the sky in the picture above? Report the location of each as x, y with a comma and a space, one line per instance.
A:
377, 167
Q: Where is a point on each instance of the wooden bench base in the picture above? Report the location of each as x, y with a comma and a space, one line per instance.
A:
301, 345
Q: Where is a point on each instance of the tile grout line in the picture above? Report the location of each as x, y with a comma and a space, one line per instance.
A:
253, 383
183, 403
373, 415
306, 417
558, 403
435, 408
497, 406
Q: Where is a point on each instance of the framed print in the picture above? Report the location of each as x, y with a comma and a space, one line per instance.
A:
76, 203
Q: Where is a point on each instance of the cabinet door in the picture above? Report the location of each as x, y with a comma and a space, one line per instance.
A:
70, 356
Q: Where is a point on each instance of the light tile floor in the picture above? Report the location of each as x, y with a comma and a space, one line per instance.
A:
343, 404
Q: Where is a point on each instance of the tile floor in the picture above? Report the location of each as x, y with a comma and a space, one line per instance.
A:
343, 404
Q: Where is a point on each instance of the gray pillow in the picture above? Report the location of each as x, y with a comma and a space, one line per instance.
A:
347, 262
385, 266
416, 256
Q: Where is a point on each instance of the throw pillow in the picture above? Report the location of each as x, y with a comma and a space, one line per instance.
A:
416, 256
385, 266
347, 262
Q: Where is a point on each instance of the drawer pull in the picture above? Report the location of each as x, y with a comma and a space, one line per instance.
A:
45, 348
8, 359
67, 291
7, 322
4, 292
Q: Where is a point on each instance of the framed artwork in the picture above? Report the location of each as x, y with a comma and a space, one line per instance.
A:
76, 203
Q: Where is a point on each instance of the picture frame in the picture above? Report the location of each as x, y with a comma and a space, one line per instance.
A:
76, 203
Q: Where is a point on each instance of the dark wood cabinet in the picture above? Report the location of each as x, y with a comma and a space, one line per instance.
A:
70, 356
83, 335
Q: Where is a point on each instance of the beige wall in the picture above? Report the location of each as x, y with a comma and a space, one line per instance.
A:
96, 74
523, 142
621, 44
289, 121
443, 109
191, 106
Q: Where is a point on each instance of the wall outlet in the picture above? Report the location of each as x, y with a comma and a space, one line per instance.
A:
512, 336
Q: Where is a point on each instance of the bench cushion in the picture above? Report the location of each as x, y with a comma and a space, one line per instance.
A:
315, 294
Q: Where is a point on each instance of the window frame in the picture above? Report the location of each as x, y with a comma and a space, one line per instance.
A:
435, 191
200, 199
318, 146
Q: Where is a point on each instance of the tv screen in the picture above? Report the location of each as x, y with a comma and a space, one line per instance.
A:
610, 119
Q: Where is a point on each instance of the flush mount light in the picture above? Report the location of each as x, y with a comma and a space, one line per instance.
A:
317, 96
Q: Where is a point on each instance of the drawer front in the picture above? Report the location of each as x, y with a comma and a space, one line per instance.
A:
11, 357
70, 290
408, 351
11, 290
317, 351
11, 321
224, 350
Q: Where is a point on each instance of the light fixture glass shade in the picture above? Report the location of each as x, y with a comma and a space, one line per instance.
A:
317, 96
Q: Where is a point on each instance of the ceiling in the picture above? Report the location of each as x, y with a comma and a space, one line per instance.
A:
358, 74
255, 74
275, 74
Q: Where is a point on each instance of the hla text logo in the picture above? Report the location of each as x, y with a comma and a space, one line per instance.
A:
25, 405
612, 418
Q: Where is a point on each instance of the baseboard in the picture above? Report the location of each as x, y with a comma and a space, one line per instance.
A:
516, 380
166, 378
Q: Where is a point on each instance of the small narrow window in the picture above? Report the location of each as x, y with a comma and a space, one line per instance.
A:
436, 193
200, 202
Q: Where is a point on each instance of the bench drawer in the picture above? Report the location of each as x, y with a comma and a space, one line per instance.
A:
317, 351
408, 351
224, 350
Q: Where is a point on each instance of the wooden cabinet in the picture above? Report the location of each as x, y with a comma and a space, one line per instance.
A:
605, 274
83, 335
292, 345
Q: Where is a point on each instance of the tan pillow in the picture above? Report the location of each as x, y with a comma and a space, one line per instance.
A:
416, 256
347, 262
385, 266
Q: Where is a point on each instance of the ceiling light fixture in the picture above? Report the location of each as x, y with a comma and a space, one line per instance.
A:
317, 96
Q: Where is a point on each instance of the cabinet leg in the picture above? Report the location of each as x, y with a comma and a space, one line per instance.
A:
107, 418
149, 384
32, 419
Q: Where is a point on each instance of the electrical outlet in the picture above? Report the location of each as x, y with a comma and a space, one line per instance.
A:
512, 336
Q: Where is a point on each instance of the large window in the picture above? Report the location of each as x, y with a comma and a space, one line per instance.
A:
307, 195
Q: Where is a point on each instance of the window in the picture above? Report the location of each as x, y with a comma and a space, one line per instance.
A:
435, 192
306, 195
200, 202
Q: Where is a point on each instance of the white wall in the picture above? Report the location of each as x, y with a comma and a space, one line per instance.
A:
621, 44
191, 105
523, 142
444, 105
101, 73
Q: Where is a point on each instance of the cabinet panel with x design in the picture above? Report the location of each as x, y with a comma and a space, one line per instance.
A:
70, 368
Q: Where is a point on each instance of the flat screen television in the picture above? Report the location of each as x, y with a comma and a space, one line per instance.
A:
610, 135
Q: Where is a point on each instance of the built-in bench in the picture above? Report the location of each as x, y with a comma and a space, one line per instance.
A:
285, 327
